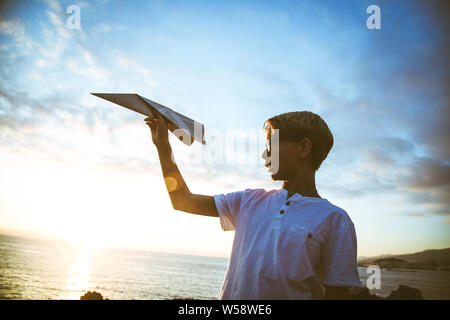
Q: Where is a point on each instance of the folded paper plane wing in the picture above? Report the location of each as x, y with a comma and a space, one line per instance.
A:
186, 129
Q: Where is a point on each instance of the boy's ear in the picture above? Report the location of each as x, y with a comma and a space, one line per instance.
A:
304, 147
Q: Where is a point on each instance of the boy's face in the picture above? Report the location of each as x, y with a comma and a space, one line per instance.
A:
281, 157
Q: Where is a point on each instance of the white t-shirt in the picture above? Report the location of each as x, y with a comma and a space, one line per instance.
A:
286, 248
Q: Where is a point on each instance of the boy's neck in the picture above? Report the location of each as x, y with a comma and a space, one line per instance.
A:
306, 188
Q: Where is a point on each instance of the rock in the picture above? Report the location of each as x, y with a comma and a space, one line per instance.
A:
365, 295
405, 293
402, 293
92, 295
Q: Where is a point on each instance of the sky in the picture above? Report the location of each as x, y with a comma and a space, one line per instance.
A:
77, 168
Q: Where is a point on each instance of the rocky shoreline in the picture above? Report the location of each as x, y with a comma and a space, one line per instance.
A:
395, 263
432, 259
402, 293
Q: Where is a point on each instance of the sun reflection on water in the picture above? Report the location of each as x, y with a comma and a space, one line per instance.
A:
78, 281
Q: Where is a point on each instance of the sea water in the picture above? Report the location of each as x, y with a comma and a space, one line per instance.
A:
38, 269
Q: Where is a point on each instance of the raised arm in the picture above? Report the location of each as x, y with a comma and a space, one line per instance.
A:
181, 197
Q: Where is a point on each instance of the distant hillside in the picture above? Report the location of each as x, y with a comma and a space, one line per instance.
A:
436, 259
439, 255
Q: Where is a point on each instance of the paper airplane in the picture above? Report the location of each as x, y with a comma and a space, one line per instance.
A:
186, 129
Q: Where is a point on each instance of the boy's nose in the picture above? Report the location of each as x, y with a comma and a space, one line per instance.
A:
264, 155
266, 158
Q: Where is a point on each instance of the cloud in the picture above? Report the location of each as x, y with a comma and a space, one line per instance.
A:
416, 80
387, 104
44, 57
430, 178
428, 173
391, 117
16, 29
87, 66
133, 67
55, 6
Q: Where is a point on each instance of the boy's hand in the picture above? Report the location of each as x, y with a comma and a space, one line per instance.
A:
158, 128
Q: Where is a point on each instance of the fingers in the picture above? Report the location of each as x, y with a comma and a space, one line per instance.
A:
150, 122
158, 115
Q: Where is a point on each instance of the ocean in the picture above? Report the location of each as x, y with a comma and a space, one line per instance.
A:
41, 270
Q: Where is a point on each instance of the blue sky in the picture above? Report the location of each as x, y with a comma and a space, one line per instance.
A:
67, 157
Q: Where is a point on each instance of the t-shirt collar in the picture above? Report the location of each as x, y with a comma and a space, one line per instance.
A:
298, 196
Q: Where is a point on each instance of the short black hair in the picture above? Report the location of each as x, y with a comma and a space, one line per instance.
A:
296, 125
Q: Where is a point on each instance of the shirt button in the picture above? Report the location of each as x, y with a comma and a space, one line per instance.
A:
281, 211
288, 203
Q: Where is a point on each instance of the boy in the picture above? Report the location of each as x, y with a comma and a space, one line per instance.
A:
289, 243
